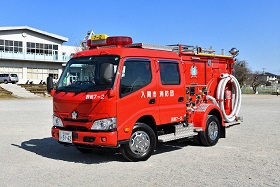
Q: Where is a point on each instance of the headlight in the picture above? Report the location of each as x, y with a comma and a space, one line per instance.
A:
57, 121
104, 124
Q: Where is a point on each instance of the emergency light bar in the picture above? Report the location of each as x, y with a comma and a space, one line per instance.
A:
119, 40
103, 40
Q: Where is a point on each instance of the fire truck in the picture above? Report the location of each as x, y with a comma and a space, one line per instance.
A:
131, 96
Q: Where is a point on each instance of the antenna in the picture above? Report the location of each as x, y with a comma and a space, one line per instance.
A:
264, 70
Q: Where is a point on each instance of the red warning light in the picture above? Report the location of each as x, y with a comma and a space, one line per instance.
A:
119, 40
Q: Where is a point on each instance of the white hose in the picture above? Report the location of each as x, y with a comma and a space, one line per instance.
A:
220, 96
212, 99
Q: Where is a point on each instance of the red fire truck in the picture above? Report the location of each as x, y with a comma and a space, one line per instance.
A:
133, 95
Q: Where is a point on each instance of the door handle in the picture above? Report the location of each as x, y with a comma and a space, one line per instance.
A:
181, 99
152, 101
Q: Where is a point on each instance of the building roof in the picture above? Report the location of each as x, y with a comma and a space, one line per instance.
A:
62, 38
267, 74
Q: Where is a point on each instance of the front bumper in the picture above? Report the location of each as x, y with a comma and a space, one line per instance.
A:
105, 139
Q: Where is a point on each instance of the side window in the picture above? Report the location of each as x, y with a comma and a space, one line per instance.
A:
169, 73
136, 74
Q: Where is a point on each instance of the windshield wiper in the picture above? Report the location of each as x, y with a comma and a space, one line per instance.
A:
92, 87
82, 88
86, 89
67, 88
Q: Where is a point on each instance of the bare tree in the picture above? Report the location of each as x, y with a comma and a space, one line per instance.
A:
242, 72
79, 47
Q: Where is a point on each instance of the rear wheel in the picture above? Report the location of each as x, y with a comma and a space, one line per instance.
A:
211, 135
5, 81
141, 145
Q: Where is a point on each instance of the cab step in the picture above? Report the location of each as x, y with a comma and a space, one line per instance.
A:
181, 131
239, 119
231, 124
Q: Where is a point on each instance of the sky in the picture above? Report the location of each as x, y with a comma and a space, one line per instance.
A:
252, 26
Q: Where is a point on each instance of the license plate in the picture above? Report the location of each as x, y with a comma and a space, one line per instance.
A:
65, 136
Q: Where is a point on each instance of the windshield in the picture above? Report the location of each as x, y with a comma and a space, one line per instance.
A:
85, 74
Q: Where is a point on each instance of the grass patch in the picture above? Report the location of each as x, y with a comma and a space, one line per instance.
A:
35, 88
4, 94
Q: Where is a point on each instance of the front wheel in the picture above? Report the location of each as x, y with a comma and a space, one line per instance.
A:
211, 135
141, 145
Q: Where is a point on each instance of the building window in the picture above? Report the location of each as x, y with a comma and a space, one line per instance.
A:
10, 46
43, 49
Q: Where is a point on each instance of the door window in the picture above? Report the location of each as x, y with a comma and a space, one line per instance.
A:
136, 74
169, 73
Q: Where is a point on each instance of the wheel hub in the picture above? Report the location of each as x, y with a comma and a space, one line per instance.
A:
213, 130
139, 142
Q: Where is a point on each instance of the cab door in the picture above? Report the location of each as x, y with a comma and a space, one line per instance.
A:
137, 94
172, 94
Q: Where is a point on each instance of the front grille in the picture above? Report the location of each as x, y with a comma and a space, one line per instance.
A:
77, 120
76, 128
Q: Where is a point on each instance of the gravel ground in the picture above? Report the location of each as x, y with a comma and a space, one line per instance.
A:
249, 156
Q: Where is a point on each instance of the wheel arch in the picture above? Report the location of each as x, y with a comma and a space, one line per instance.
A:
148, 120
143, 140
202, 112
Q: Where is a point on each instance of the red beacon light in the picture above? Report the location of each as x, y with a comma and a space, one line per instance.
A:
100, 40
119, 40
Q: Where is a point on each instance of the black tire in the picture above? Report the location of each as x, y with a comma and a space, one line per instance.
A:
211, 135
84, 150
196, 140
141, 145
5, 81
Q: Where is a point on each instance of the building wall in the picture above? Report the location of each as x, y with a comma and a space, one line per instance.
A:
265, 78
30, 70
32, 66
29, 36
70, 50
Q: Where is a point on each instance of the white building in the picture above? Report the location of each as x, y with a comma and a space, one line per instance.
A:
267, 77
33, 54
